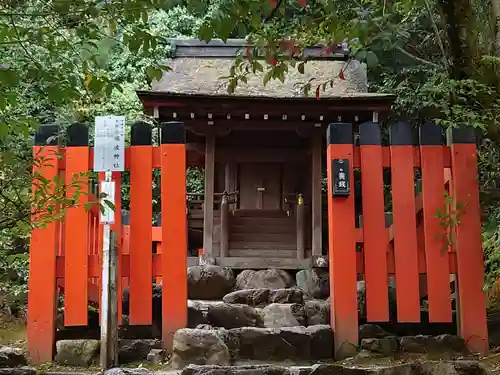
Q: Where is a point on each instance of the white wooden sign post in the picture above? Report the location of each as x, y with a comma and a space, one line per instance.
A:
109, 156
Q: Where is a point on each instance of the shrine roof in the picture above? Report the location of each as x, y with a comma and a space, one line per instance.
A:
199, 68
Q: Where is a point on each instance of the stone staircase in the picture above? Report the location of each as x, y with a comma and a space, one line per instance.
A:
267, 322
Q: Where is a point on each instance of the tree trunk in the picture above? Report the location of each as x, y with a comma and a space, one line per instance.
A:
495, 8
460, 24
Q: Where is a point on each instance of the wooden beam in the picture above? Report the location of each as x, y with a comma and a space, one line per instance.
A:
275, 155
208, 217
386, 157
233, 47
264, 263
254, 123
234, 262
198, 103
316, 196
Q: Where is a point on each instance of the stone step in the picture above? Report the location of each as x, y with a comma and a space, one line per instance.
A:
303, 345
427, 367
260, 297
223, 346
283, 346
273, 315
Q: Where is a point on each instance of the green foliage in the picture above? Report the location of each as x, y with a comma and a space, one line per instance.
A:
63, 62
489, 177
195, 181
449, 218
13, 281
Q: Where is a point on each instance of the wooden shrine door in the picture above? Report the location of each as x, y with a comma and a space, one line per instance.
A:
260, 186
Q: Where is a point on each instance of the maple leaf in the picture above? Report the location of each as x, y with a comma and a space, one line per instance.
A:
274, 3
317, 91
302, 3
341, 75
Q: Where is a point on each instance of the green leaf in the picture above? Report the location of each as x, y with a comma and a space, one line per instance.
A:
371, 59
267, 77
109, 204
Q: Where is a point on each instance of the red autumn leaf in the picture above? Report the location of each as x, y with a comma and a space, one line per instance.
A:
302, 3
341, 75
272, 60
274, 3
248, 51
328, 50
317, 92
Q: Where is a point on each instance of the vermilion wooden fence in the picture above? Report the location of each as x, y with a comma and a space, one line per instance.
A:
67, 254
417, 242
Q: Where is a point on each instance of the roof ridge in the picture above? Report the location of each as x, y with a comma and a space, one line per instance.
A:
217, 48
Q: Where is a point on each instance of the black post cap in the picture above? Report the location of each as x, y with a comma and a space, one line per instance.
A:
460, 135
172, 132
46, 135
78, 134
369, 134
141, 134
401, 134
339, 133
430, 134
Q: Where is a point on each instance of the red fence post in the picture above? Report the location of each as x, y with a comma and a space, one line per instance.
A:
468, 241
342, 239
141, 212
405, 223
375, 237
43, 250
436, 251
174, 231
76, 229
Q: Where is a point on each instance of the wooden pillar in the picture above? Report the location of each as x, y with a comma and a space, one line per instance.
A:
301, 212
224, 226
342, 245
208, 207
227, 177
44, 246
76, 223
467, 243
173, 230
230, 181
141, 211
317, 221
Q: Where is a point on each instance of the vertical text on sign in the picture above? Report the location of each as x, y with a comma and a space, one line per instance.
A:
109, 144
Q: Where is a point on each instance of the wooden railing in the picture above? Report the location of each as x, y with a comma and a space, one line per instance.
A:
227, 199
300, 224
195, 201
295, 202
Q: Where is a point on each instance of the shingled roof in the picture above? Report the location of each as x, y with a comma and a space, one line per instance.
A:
198, 68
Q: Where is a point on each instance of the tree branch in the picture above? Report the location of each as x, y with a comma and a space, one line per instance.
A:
436, 32
416, 58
